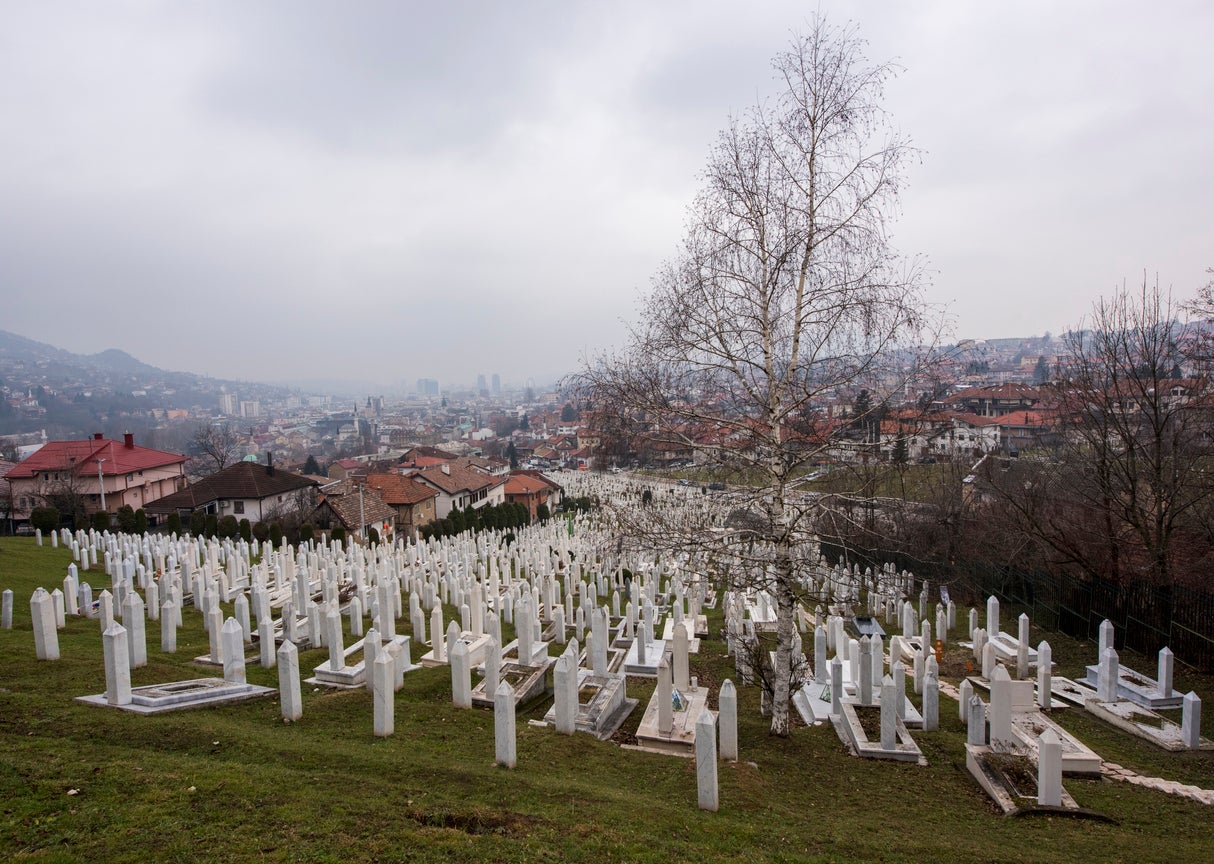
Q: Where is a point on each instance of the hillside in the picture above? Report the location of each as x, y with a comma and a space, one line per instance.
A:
70, 395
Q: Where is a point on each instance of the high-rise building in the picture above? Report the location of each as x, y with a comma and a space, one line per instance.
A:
228, 404
480, 383
427, 387
497, 383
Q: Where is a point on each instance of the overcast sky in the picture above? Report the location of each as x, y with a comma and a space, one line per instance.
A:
392, 190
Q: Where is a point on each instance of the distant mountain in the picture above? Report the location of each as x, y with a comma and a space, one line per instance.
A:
67, 394
19, 349
120, 361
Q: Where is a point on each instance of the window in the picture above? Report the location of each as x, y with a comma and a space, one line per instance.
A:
238, 507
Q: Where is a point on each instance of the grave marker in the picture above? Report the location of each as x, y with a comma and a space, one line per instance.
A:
504, 737
288, 682
727, 702
706, 762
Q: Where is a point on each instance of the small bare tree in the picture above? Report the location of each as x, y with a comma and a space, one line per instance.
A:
1124, 496
214, 448
786, 290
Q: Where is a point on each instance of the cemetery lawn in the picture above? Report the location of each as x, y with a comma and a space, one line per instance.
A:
79, 783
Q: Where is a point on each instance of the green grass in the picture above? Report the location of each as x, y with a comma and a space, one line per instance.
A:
237, 784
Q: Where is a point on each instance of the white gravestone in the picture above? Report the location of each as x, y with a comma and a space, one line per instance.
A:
46, 638
728, 719
233, 651
461, 675
706, 762
288, 682
504, 738
1190, 721
382, 674
117, 666
564, 676
1049, 770
1045, 674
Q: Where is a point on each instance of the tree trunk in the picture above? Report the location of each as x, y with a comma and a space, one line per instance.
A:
786, 604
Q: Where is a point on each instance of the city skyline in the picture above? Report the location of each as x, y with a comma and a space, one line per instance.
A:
385, 192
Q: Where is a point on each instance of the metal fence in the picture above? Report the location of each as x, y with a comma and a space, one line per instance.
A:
1144, 618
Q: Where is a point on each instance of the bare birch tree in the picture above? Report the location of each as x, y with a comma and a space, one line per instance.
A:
785, 292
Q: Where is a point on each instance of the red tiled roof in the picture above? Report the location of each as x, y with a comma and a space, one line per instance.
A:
457, 479
429, 461
537, 475
83, 456
521, 484
396, 489
997, 391
1024, 418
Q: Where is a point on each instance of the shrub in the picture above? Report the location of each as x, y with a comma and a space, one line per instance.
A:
246, 530
126, 519
174, 523
211, 527
45, 519
101, 520
198, 523
306, 532
372, 536
227, 527
338, 535
276, 534
141, 521
261, 531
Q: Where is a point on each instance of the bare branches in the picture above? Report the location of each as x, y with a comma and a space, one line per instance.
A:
1125, 494
214, 447
784, 291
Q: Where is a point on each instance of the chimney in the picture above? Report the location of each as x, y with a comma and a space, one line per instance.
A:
269, 463
97, 436
128, 440
446, 468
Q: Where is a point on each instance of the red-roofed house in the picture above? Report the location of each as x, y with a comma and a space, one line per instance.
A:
461, 486
1024, 430
997, 399
64, 473
343, 468
413, 501
529, 491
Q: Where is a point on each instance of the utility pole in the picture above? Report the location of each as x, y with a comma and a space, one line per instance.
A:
101, 483
362, 515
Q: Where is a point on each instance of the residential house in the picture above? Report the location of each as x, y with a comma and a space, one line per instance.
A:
343, 468
529, 491
556, 492
412, 500
90, 472
352, 505
246, 490
461, 485
1023, 430
996, 400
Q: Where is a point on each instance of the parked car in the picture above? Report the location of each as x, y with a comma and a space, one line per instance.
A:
717, 487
